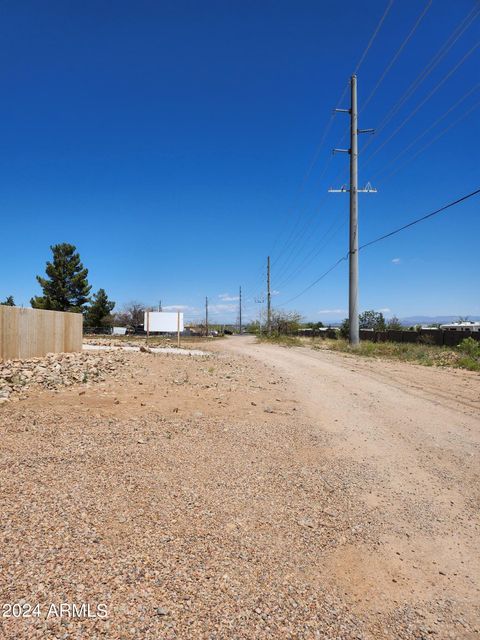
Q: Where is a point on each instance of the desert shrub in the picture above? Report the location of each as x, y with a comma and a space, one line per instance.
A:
470, 347
285, 322
467, 362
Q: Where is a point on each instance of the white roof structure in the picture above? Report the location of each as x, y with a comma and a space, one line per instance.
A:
467, 325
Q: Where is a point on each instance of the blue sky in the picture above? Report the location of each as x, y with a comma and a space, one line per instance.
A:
171, 143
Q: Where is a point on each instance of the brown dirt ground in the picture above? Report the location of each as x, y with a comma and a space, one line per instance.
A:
258, 492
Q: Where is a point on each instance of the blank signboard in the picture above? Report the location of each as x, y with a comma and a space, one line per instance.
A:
162, 321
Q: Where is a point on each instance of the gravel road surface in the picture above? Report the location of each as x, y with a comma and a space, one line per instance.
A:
255, 492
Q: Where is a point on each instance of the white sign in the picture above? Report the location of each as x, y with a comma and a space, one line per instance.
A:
119, 331
164, 321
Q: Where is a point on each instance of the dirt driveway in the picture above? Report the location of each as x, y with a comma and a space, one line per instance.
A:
258, 492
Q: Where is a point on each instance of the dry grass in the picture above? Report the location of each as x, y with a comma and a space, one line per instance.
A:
284, 341
428, 355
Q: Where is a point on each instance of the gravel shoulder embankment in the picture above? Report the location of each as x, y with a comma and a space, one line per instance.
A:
196, 498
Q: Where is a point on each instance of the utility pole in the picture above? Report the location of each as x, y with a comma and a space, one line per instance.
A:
206, 316
240, 311
269, 300
260, 300
354, 191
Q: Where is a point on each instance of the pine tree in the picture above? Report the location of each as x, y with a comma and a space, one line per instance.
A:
8, 302
66, 287
99, 313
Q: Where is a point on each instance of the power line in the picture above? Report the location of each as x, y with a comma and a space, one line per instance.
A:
298, 235
427, 70
383, 237
374, 35
442, 133
428, 215
294, 253
397, 54
314, 252
433, 125
420, 105
343, 259
328, 127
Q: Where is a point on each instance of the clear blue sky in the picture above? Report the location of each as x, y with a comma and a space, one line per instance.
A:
169, 141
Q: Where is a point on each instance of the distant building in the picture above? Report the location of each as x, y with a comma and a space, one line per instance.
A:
461, 326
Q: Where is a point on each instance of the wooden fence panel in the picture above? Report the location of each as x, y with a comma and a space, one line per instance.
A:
32, 333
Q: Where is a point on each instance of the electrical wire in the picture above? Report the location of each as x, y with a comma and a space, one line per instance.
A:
384, 237
374, 35
307, 228
327, 130
427, 70
309, 257
423, 102
339, 261
425, 131
442, 133
397, 54
451, 40
333, 231
418, 220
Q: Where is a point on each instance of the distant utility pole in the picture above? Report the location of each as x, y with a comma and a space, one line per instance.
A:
159, 305
240, 311
206, 316
354, 191
260, 300
269, 305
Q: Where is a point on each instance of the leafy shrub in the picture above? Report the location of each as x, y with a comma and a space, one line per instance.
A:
467, 362
470, 347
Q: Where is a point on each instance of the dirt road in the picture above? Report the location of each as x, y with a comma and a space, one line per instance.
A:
257, 492
415, 431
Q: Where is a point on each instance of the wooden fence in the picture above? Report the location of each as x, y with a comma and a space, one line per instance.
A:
32, 333
441, 337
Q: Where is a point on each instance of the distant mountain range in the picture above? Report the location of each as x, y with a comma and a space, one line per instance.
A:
412, 320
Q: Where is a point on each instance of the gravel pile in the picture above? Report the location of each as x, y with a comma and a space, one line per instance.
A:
55, 371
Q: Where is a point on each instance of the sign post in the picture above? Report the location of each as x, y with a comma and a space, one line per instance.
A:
178, 328
148, 326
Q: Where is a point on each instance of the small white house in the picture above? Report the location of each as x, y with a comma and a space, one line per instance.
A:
461, 326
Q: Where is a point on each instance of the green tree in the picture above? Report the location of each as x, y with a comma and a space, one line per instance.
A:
394, 324
345, 329
8, 302
99, 314
372, 320
313, 325
66, 286
253, 327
